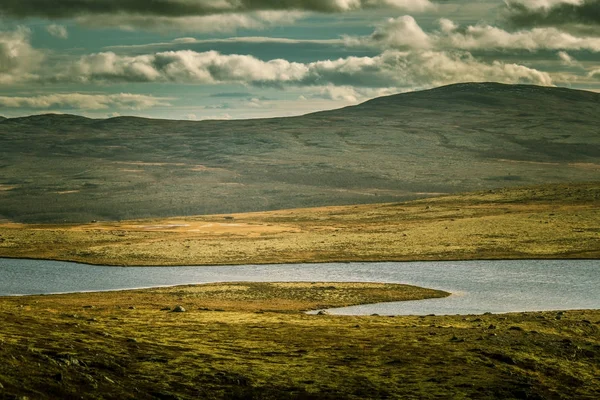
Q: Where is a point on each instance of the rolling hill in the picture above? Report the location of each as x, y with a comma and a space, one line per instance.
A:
462, 137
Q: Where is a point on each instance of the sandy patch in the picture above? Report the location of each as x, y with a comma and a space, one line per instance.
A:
585, 165
67, 191
135, 171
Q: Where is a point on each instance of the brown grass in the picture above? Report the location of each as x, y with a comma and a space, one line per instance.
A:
553, 221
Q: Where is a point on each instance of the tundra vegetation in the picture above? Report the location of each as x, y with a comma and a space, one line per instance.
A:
547, 221
253, 341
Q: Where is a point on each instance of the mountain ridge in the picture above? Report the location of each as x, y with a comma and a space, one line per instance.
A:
452, 89
452, 139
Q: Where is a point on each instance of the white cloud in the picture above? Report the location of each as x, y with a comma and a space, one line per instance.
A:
406, 5
543, 4
85, 101
187, 41
595, 73
185, 66
351, 94
205, 23
489, 37
390, 69
567, 59
58, 31
447, 26
404, 32
401, 32
215, 117
18, 60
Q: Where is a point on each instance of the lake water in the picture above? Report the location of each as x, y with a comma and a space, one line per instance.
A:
476, 286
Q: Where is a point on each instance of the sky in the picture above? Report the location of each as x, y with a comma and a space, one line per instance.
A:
231, 59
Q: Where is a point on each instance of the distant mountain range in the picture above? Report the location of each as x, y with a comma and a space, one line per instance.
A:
462, 137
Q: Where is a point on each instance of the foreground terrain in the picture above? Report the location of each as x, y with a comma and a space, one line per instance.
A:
551, 221
458, 138
252, 341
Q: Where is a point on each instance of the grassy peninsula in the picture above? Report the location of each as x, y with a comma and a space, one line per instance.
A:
252, 341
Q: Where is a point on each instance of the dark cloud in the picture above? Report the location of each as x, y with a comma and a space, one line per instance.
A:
522, 14
186, 8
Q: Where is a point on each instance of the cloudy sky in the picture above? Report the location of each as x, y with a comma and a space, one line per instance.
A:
202, 59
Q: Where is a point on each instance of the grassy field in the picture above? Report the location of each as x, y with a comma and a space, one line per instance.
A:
252, 341
550, 221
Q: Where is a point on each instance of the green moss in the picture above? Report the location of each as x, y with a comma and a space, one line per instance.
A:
53, 347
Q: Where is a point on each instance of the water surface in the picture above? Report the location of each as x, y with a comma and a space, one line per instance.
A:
477, 286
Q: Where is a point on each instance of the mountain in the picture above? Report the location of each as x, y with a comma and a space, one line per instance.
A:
462, 137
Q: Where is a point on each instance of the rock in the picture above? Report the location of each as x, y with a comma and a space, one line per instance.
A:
515, 328
322, 312
179, 309
131, 308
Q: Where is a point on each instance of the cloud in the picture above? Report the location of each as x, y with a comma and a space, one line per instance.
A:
595, 73
184, 8
526, 13
390, 69
404, 32
401, 32
85, 101
58, 31
419, 68
350, 94
567, 59
215, 117
207, 23
18, 60
486, 37
193, 15
187, 41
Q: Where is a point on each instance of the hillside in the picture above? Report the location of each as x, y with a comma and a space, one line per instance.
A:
56, 168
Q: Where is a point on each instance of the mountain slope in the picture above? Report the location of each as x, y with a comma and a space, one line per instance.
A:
455, 138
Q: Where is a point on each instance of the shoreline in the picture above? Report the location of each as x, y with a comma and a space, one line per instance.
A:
310, 262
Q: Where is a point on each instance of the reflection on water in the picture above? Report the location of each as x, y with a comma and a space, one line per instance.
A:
477, 286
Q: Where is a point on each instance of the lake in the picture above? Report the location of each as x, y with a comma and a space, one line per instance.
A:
476, 286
